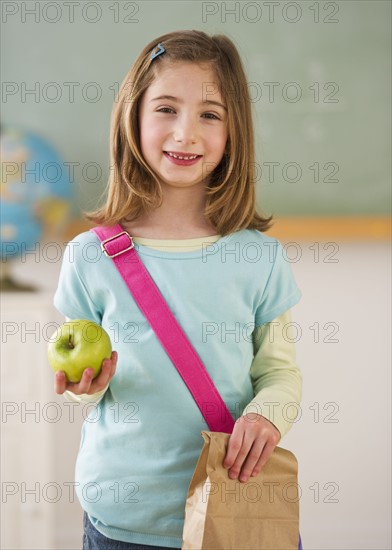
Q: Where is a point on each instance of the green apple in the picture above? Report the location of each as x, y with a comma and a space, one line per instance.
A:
78, 345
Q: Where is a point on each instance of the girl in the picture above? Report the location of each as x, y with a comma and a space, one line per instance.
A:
182, 185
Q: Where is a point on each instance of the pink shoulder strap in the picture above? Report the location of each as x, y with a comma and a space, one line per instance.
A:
117, 244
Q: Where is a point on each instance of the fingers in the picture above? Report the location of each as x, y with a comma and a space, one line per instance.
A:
235, 449
60, 382
240, 453
87, 383
250, 446
264, 457
106, 374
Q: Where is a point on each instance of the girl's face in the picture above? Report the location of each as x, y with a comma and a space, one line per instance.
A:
182, 114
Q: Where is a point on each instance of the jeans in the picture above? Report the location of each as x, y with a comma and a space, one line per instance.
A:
94, 540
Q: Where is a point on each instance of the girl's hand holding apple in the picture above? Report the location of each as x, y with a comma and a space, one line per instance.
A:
80, 352
88, 384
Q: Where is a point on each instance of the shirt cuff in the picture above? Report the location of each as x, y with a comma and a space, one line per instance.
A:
94, 398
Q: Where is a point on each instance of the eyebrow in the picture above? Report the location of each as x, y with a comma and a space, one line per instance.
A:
172, 98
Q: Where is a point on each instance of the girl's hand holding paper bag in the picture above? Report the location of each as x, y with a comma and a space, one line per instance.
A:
250, 445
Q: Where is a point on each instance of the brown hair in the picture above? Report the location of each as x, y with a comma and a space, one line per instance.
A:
133, 188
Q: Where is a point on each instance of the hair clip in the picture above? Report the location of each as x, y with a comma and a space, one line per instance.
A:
155, 53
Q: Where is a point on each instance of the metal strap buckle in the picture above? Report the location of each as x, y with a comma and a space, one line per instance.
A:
115, 237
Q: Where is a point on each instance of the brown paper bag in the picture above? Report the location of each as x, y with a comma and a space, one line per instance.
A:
225, 514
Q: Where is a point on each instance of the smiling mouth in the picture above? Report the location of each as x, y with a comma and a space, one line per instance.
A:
183, 156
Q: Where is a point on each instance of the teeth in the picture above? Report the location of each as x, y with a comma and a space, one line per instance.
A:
182, 158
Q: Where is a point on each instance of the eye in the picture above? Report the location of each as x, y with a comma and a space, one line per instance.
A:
165, 110
211, 116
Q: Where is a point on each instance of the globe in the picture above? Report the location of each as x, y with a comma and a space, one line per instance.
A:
35, 195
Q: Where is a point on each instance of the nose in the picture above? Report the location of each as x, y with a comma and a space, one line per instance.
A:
185, 130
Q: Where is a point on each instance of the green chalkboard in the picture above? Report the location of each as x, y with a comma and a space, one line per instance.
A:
318, 72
